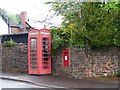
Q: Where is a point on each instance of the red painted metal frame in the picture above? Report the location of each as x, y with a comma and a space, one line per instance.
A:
66, 61
39, 34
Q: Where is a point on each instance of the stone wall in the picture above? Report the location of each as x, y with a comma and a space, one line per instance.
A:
87, 63
14, 59
83, 63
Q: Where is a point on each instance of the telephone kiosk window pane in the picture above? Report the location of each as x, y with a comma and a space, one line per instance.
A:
45, 47
33, 55
33, 40
45, 39
45, 43
33, 51
34, 67
45, 59
45, 51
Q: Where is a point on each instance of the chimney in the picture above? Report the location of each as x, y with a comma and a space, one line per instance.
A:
23, 17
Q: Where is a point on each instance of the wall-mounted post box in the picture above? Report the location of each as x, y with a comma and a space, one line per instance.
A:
66, 58
39, 52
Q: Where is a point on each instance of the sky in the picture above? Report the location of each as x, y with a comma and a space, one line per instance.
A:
36, 9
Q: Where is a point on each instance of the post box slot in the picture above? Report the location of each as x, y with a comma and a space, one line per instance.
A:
65, 52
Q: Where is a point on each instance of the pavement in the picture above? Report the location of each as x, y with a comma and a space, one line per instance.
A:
51, 81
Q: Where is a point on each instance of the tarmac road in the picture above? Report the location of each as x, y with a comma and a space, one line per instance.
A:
11, 85
17, 84
53, 82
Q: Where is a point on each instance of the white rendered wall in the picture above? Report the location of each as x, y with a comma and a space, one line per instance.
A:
3, 27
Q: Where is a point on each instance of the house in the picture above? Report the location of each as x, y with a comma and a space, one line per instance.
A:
4, 25
7, 27
23, 25
17, 37
17, 33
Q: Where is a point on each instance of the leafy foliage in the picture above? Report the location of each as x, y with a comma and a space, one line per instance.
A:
15, 19
59, 38
101, 25
90, 24
10, 43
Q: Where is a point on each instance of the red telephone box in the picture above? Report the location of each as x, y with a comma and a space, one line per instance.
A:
39, 52
66, 58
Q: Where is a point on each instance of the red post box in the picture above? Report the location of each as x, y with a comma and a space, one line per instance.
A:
39, 52
66, 58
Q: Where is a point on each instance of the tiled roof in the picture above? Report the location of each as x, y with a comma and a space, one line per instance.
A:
4, 18
15, 34
7, 20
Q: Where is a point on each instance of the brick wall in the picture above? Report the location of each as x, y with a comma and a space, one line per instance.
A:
83, 63
16, 30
